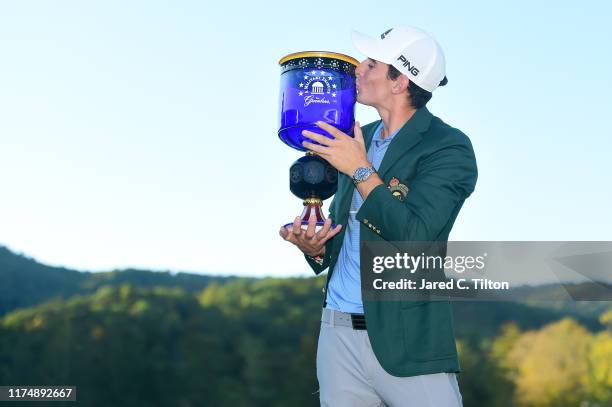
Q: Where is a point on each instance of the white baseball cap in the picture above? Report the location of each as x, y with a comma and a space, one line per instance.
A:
411, 50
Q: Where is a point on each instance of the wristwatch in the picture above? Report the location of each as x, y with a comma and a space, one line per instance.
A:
362, 173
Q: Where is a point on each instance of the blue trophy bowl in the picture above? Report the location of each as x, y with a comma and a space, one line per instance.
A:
316, 85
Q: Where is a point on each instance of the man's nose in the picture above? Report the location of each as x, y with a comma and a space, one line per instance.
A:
358, 71
361, 68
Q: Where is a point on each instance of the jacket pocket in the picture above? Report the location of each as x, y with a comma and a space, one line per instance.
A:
428, 331
410, 304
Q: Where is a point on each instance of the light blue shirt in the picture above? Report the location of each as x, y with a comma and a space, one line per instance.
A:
344, 289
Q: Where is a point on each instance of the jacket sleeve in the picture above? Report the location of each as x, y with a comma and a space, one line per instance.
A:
445, 178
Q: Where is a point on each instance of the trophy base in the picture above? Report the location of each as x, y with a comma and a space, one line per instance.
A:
311, 206
319, 226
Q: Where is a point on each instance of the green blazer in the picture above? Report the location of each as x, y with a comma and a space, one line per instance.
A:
436, 163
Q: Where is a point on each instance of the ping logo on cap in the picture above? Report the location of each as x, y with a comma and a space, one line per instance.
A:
412, 69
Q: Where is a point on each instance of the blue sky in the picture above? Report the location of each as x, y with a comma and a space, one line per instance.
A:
143, 133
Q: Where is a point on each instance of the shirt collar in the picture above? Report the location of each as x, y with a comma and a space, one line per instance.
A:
378, 135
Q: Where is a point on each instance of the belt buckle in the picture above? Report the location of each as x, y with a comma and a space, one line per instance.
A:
358, 321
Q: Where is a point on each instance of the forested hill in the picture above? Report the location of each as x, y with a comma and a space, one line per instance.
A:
25, 282
253, 343
143, 338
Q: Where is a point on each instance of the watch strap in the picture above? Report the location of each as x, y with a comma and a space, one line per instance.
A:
362, 173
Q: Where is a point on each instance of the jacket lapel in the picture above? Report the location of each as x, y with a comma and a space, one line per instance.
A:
408, 136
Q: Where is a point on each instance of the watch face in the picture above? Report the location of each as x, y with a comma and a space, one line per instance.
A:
362, 173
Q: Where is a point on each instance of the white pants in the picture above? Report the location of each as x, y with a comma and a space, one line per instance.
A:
350, 375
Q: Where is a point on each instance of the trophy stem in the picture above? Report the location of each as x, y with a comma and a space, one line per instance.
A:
312, 205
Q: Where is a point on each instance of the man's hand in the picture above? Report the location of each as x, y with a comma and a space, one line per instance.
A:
309, 242
344, 152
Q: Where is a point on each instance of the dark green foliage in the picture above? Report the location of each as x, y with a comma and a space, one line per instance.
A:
159, 346
25, 282
483, 319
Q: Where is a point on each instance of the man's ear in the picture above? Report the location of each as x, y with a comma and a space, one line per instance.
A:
401, 84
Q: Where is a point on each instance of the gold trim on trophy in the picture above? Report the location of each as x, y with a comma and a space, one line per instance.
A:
320, 54
313, 201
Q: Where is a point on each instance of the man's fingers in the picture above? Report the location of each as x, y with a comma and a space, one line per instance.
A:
321, 150
297, 226
326, 141
331, 234
324, 229
331, 129
287, 235
335, 231
312, 222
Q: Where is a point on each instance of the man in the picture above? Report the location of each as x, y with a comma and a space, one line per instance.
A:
402, 178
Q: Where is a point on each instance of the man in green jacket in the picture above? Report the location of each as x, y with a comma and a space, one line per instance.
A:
402, 178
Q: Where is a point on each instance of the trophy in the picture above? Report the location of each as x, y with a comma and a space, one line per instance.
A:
315, 85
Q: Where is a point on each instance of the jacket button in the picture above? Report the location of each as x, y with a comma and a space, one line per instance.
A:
323, 290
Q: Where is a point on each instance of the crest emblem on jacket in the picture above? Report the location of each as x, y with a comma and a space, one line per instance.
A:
398, 189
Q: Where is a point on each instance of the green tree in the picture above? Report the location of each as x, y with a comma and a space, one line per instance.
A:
550, 365
598, 380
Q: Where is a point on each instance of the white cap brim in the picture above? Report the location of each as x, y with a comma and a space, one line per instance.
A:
369, 47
